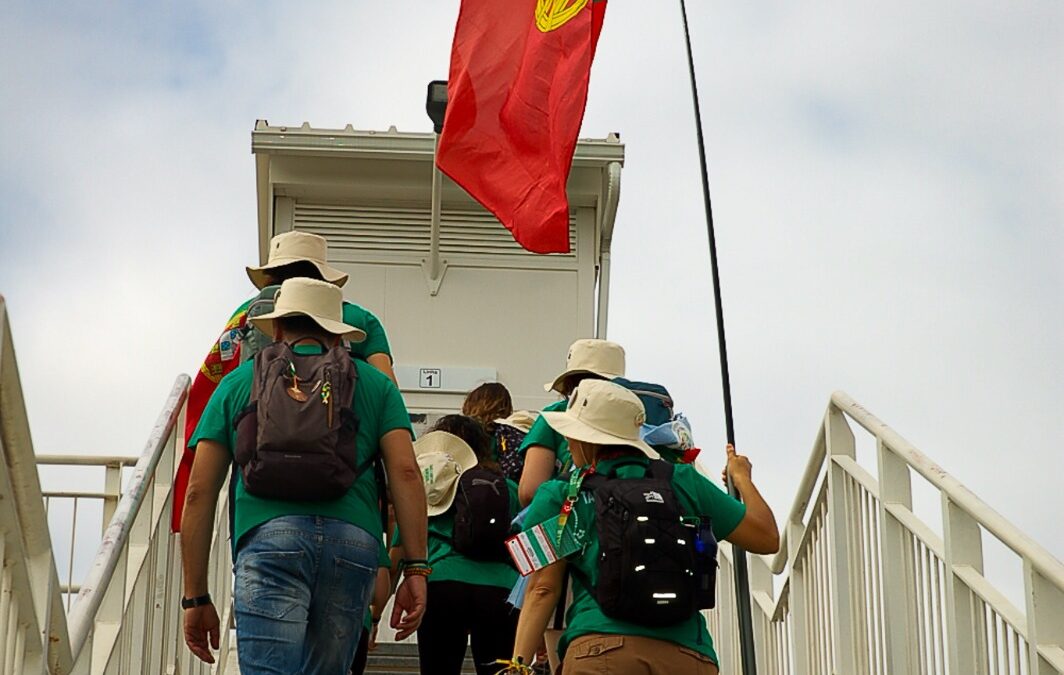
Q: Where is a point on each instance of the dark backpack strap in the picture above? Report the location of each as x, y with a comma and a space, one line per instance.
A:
596, 479
659, 469
559, 611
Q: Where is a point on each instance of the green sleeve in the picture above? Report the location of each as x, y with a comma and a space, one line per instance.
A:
393, 410
397, 540
541, 433
546, 504
214, 422
725, 511
376, 341
384, 560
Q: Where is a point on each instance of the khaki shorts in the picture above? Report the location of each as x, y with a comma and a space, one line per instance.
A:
602, 654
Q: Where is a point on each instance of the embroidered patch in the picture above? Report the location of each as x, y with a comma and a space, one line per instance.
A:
228, 344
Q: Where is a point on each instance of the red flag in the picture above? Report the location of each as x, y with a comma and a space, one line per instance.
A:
221, 360
516, 96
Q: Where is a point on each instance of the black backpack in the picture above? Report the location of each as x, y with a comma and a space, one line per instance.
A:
482, 515
508, 440
650, 571
296, 439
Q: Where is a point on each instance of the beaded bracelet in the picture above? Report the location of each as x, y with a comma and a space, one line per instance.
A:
417, 570
514, 665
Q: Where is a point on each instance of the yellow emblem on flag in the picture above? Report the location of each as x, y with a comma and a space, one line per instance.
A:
553, 14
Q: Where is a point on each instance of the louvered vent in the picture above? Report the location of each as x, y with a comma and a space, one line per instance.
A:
368, 229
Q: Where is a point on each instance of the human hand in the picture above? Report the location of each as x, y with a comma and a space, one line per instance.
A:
738, 466
200, 624
372, 644
410, 600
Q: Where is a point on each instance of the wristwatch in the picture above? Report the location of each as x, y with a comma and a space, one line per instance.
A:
189, 603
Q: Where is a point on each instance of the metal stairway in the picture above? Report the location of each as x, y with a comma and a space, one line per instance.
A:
392, 658
820, 606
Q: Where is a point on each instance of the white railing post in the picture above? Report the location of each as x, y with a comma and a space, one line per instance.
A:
798, 606
725, 642
965, 620
840, 443
760, 587
1045, 621
899, 615
112, 489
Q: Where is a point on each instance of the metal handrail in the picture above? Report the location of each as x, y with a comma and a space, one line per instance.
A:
82, 615
863, 585
87, 460
987, 517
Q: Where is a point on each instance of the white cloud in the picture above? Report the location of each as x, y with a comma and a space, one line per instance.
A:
885, 180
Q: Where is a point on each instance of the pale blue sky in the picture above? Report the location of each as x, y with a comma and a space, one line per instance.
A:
887, 184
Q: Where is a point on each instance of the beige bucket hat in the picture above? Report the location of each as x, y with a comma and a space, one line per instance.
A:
293, 247
519, 419
605, 413
319, 300
598, 357
443, 458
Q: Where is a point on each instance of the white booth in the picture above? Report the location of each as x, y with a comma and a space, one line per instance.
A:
461, 301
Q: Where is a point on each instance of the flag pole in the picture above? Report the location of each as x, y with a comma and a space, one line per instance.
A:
742, 581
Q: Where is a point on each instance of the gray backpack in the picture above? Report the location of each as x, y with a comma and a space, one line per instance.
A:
252, 339
296, 439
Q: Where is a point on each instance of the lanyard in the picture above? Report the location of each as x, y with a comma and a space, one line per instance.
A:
576, 479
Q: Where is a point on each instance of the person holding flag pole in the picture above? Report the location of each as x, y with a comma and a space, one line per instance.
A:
612, 624
516, 96
742, 579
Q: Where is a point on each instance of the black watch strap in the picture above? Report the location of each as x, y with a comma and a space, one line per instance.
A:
189, 603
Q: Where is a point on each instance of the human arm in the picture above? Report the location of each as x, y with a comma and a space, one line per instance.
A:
411, 513
208, 475
383, 362
541, 598
539, 468
757, 531
382, 590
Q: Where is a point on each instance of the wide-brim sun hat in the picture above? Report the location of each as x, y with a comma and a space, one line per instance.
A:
318, 300
295, 247
519, 419
604, 413
442, 458
592, 357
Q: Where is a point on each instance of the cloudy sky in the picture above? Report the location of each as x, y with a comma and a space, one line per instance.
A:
886, 177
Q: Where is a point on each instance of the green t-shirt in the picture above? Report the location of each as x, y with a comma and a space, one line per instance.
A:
450, 565
380, 409
376, 341
697, 497
543, 434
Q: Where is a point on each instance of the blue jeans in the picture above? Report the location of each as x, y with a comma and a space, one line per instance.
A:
303, 584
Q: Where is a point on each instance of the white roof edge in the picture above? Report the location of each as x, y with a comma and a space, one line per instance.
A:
306, 139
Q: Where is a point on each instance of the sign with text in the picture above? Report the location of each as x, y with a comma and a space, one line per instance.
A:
442, 379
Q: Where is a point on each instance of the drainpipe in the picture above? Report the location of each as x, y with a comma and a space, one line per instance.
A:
434, 267
609, 215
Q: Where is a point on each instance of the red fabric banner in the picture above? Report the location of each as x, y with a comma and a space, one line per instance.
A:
516, 97
221, 360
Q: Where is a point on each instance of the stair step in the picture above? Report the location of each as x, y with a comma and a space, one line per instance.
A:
390, 658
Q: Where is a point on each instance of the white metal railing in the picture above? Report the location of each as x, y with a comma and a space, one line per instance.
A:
33, 632
76, 526
127, 617
864, 586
